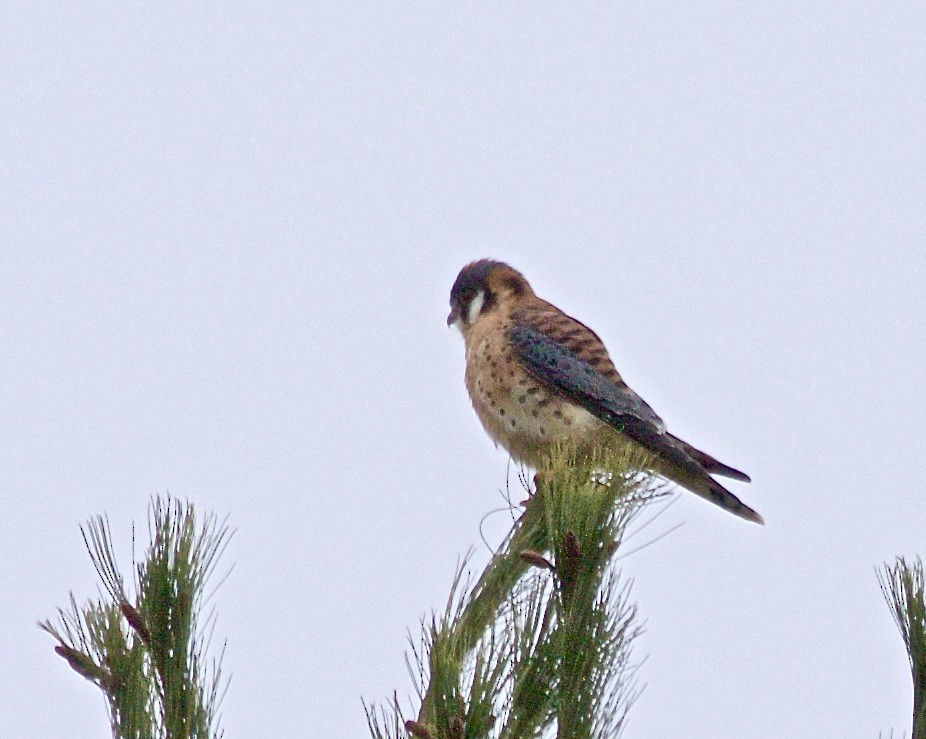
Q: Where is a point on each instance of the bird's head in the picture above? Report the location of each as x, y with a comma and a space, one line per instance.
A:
480, 288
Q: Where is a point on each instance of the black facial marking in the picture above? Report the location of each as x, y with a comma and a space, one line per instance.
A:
472, 279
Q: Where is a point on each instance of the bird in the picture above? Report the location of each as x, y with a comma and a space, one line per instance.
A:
538, 377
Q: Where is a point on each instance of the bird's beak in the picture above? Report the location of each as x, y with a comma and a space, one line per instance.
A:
453, 317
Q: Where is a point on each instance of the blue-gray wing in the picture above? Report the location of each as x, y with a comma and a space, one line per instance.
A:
557, 366
562, 370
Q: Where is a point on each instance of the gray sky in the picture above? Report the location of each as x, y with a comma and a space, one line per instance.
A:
227, 237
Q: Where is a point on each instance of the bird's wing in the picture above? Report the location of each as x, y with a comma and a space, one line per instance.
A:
560, 368
709, 463
618, 406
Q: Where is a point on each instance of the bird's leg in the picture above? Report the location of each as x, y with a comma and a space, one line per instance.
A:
541, 478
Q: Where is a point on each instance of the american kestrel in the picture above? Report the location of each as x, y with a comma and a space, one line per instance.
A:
537, 377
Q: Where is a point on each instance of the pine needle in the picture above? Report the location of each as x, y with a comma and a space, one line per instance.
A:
147, 651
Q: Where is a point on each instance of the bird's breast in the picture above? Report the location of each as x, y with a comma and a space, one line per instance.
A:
517, 411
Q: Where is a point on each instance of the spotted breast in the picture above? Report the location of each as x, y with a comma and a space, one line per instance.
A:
516, 411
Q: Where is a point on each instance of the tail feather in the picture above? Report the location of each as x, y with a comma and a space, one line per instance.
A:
681, 463
714, 466
713, 491
675, 462
708, 488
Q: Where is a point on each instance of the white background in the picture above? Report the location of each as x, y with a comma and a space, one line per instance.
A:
227, 236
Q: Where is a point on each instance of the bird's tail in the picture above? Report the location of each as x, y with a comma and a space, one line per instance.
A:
708, 488
681, 463
714, 466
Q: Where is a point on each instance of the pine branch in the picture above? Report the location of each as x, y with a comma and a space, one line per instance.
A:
149, 656
904, 588
541, 642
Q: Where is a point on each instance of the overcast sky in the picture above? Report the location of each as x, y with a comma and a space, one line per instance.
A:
227, 237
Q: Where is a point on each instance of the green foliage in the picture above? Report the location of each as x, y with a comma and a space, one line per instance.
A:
904, 589
148, 658
540, 645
